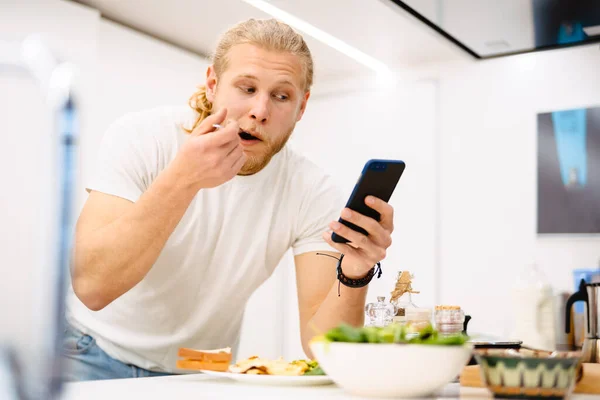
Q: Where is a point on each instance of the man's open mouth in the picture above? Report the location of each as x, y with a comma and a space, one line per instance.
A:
248, 136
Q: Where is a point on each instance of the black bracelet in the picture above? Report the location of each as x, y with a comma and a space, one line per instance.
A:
354, 283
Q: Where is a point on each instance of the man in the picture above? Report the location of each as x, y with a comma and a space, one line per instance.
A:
191, 210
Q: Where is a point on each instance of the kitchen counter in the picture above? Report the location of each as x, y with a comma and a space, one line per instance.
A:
199, 386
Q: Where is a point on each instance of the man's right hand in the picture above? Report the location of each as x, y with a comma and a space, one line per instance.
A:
117, 241
211, 157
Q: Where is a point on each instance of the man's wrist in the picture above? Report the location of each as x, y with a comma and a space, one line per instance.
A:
352, 271
356, 279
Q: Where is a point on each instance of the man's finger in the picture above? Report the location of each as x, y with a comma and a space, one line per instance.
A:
235, 152
206, 125
376, 231
227, 136
354, 237
385, 210
239, 163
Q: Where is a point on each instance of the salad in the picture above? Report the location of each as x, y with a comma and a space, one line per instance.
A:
313, 367
393, 333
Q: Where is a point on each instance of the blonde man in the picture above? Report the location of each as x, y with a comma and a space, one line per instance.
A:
185, 220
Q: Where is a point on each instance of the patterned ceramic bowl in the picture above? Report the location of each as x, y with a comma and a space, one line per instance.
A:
527, 373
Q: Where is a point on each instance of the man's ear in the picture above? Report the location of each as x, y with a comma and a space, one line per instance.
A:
303, 105
211, 83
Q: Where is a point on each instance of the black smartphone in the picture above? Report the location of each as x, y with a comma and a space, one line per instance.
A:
378, 178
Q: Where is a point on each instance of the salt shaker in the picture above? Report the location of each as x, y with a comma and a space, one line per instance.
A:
379, 314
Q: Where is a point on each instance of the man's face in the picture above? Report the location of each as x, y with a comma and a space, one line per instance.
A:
264, 92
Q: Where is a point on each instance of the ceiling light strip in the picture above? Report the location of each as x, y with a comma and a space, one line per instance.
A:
322, 36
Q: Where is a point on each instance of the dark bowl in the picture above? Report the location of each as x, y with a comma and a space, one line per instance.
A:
525, 373
493, 345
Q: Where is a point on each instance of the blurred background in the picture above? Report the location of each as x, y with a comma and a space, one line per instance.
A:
470, 94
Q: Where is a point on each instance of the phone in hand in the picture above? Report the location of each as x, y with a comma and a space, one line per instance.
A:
378, 178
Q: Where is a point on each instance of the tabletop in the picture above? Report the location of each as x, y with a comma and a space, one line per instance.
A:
209, 387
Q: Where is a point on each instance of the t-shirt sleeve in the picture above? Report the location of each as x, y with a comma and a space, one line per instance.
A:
123, 165
322, 205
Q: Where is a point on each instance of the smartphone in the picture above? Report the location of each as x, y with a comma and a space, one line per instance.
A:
378, 178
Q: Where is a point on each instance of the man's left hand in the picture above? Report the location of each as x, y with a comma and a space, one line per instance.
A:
363, 252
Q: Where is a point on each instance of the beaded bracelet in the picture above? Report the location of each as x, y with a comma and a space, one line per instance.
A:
354, 283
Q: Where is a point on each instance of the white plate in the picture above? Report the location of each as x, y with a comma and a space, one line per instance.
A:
274, 380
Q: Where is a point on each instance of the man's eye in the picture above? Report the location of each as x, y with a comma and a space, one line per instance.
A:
248, 89
281, 97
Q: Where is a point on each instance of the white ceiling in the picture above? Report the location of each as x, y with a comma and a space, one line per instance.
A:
376, 27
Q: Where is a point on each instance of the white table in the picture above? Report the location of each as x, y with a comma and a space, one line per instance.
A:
198, 386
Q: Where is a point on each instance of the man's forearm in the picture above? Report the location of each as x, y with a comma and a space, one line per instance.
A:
348, 307
112, 259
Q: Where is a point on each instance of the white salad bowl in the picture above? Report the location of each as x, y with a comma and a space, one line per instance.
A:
390, 369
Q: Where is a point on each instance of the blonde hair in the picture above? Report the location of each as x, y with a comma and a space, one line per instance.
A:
269, 34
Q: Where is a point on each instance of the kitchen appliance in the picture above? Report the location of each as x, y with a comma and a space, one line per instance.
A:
36, 245
590, 294
564, 341
578, 314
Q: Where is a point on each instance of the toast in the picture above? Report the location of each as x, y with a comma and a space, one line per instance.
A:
203, 365
212, 360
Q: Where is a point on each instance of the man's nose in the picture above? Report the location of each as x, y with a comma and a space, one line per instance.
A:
260, 109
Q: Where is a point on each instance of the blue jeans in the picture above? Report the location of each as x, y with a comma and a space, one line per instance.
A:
85, 361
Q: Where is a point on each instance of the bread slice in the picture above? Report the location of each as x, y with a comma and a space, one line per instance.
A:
204, 365
217, 355
211, 360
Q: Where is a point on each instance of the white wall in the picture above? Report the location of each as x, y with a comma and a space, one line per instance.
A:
340, 133
488, 177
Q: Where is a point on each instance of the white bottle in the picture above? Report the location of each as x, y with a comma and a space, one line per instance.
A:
533, 310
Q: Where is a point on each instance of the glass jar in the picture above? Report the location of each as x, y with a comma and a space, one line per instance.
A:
449, 319
379, 314
417, 319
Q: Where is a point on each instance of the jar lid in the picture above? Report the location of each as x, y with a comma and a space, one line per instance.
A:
446, 307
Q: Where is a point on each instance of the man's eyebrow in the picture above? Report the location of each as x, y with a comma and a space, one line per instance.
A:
282, 82
250, 76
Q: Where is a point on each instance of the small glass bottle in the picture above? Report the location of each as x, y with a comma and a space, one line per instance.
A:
402, 304
379, 314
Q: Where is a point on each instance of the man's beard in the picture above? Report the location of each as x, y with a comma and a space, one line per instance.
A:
256, 162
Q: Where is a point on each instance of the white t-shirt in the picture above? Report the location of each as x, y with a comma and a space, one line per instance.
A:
227, 244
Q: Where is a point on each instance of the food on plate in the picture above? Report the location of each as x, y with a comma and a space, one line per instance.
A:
212, 360
313, 367
393, 333
263, 366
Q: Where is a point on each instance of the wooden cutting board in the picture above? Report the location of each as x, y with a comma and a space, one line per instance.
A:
589, 383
